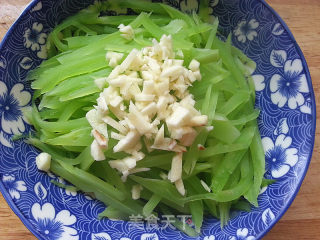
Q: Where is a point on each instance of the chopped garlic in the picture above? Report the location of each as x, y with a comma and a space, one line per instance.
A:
177, 62
116, 125
93, 118
205, 186
117, 136
188, 138
209, 128
138, 155
100, 82
100, 139
126, 143
145, 97
180, 54
43, 161
150, 109
199, 121
113, 58
201, 147
133, 171
194, 65
159, 139
138, 120
155, 86
123, 165
135, 191
167, 145
127, 31
172, 72
115, 72
197, 74
96, 151
176, 168
148, 87
180, 187
163, 176
179, 149
115, 102
102, 104
178, 117
191, 76
128, 61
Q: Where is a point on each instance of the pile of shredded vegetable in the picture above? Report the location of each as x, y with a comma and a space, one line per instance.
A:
86, 115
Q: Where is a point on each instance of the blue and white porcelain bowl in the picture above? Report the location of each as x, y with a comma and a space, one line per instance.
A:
287, 125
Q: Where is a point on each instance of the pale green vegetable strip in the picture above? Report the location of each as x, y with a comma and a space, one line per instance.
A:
242, 142
55, 153
247, 118
156, 160
196, 209
258, 159
234, 192
225, 169
138, 5
180, 225
163, 189
98, 183
212, 35
112, 176
191, 156
224, 209
204, 10
114, 214
86, 91
224, 131
127, 206
53, 77
86, 158
235, 101
151, 205
176, 14
78, 137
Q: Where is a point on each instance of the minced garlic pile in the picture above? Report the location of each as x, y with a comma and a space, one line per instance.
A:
147, 92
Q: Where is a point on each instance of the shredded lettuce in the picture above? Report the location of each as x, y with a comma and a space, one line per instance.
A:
231, 161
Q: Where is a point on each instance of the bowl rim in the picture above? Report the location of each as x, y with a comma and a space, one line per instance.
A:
313, 123
32, 229
26, 222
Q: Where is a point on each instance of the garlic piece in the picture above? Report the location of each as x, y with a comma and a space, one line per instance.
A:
43, 161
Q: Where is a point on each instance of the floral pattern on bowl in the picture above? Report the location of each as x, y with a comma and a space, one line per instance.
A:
287, 125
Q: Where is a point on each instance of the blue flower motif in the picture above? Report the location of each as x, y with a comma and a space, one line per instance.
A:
289, 86
242, 234
246, 30
67, 191
12, 104
211, 237
149, 236
34, 37
100, 236
259, 82
54, 227
279, 157
14, 187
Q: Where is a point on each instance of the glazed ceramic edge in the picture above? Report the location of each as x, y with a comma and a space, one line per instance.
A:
313, 114
3, 191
